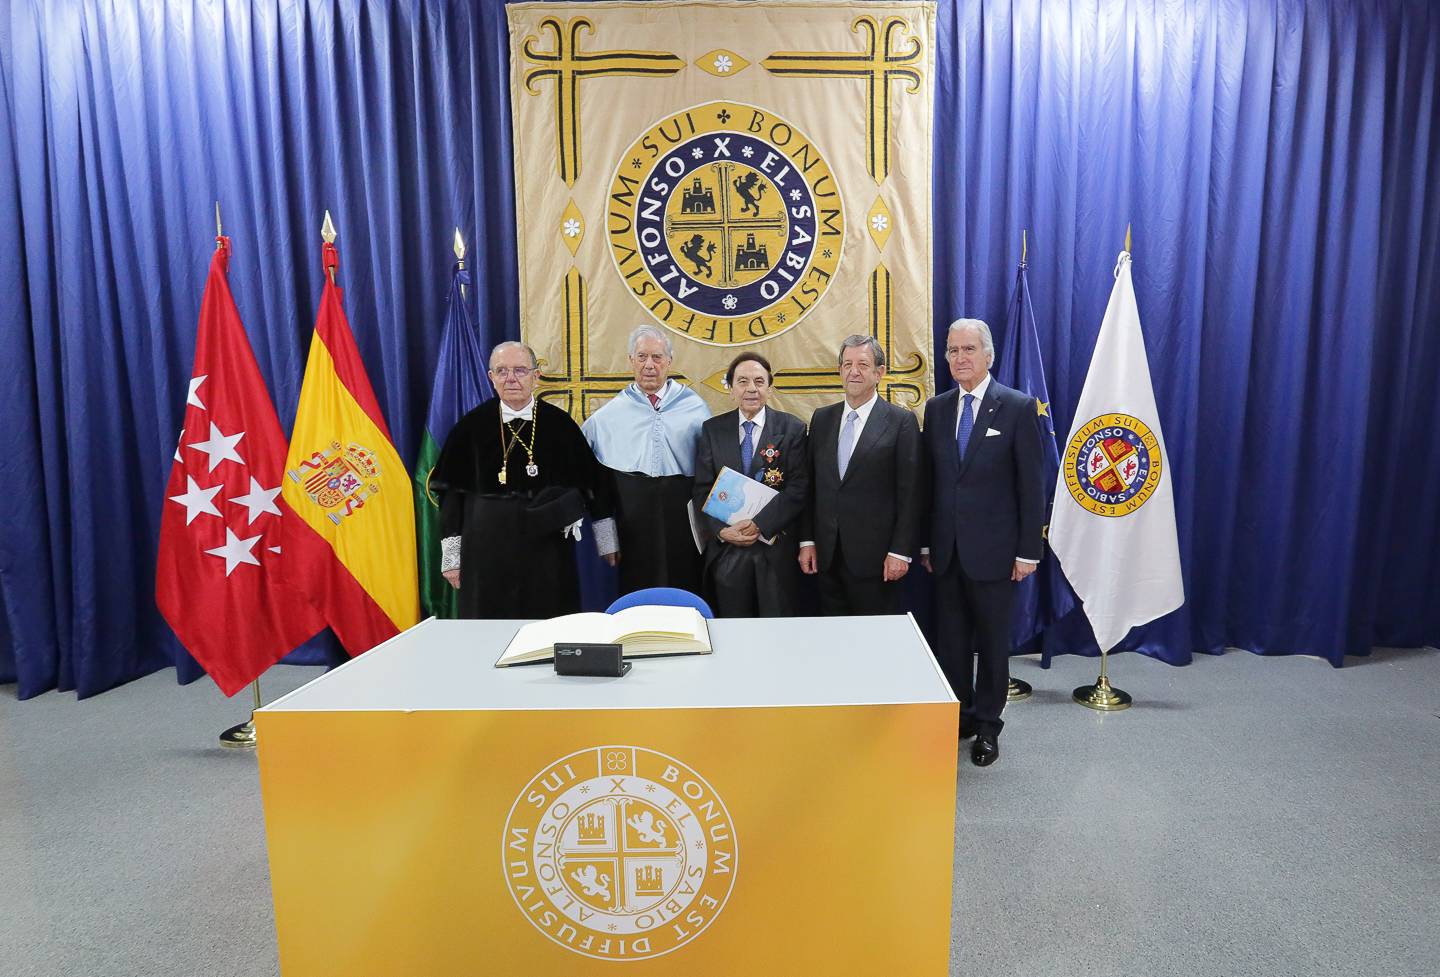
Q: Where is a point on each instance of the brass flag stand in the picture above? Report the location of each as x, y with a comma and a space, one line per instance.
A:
242, 737
1102, 695
1018, 691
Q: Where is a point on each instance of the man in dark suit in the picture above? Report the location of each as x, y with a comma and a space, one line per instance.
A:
744, 575
982, 447
866, 490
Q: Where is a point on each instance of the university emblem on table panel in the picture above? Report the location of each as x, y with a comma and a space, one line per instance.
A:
1113, 465
725, 223
339, 481
619, 853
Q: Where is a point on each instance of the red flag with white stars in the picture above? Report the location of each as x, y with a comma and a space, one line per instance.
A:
219, 581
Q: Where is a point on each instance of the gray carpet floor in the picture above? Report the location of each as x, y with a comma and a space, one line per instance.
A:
1248, 816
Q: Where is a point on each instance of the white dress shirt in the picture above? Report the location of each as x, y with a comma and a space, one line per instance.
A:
759, 420
523, 414
979, 394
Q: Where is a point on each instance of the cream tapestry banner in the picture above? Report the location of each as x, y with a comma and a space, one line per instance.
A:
743, 175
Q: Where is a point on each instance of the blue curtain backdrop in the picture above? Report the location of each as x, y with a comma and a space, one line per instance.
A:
1275, 158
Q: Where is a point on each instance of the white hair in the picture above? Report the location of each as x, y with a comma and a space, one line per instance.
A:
987, 341
649, 332
512, 344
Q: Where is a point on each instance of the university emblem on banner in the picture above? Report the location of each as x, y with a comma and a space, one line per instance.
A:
725, 223
339, 481
743, 175
1113, 464
619, 853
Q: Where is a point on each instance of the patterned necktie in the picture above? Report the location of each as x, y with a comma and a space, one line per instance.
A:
747, 447
847, 440
654, 401
967, 421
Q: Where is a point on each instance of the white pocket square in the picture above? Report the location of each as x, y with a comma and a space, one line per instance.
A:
992, 433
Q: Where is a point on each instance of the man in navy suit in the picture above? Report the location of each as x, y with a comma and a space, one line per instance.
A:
983, 450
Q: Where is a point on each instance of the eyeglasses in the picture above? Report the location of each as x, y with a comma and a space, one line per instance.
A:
518, 372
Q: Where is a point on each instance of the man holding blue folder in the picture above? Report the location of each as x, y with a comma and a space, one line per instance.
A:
746, 576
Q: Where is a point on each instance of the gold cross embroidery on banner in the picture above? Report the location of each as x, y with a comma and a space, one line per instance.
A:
883, 61
566, 64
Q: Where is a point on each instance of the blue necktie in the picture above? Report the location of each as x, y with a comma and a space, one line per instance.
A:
847, 440
967, 422
747, 447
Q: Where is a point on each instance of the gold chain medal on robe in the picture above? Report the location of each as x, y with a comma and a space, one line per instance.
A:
726, 224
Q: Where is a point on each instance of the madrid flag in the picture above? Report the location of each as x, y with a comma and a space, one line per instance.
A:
218, 579
1113, 525
352, 543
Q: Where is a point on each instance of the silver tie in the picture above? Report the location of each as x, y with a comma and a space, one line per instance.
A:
847, 440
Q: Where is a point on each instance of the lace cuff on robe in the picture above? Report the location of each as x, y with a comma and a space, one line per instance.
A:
450, 553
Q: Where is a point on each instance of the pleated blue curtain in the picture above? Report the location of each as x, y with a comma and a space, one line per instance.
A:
1275, 160
124, 123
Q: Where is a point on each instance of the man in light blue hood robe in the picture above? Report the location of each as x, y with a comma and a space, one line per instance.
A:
646, 438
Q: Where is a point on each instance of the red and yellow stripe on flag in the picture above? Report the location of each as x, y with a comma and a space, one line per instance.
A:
352, 549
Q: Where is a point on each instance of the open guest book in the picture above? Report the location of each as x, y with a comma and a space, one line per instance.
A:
645, 629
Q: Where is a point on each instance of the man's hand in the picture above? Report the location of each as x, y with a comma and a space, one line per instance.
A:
612, 558
808, 562
1022, 570
454, 577
733, 536
895, 568
925, 562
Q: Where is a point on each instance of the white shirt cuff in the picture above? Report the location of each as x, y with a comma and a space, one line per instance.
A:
807, 542
1021, 559
899, 557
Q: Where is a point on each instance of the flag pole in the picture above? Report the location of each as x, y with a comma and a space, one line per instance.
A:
1019, 690
218, 232
242, 737
1102, 695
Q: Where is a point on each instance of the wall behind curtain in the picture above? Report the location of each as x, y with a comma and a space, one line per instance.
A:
1275, 159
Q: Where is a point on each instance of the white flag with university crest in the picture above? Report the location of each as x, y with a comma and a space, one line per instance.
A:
1113, 528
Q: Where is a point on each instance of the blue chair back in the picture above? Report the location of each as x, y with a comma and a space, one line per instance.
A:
667, 596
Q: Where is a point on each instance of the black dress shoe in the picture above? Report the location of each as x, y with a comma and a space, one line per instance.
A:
986, 750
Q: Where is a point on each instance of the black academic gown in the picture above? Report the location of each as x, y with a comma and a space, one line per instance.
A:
657, 548
514, 560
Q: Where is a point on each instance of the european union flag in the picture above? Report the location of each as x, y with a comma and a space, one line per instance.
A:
1048, 598
461, 384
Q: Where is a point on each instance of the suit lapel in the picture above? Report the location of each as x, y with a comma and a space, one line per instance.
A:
875, 426
729, 453
984, 420
949, 414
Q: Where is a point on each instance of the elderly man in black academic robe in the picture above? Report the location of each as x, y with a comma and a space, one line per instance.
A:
515, 478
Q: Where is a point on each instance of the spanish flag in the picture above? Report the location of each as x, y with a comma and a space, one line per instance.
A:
352, 549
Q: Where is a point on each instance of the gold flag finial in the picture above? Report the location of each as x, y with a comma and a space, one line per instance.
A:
327, 229
1024, 249
1127, 238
